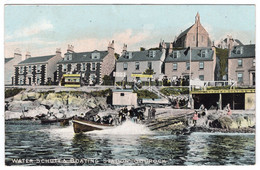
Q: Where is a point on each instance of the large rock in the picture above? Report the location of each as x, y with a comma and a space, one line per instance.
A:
12, 115
18, 97
50, 96
36, 111
223, 122
33, 95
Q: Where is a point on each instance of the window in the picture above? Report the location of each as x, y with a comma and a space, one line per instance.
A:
193, 37
129, 55
240, 62
21, 70
21, 80
175, 66
137, 65
187, 65
38, 79
38, 68
152, 53
70, 56
93, 66
239, 50
201, 77
176, 54
149, 65
95, 55
64, 67
125, 66
30, 69
203, 53
240, 77
201, 38
122, 94
83, 67
253, 62
201, 65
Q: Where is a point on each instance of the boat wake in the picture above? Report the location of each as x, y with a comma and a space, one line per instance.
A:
127, 128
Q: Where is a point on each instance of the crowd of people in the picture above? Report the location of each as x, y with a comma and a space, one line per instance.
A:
203, 112
178, 81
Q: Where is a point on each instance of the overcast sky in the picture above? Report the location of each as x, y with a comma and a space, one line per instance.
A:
42, 29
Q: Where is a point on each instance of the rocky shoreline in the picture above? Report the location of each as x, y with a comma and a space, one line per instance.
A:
176, 121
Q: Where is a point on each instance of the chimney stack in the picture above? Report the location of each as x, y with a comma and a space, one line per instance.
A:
70, 49
17, 53
124, 49
27, 55
171, 48
110, 46
58, 51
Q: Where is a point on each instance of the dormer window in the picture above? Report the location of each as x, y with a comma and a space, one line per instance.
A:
68, 57
129, 55
152, 53
239, 50
203, 53
176, 54
95, 55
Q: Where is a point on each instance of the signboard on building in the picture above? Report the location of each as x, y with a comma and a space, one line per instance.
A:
142, 75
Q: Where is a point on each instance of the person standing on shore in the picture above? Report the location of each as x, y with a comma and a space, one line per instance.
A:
195, 118
228, 109
153, 112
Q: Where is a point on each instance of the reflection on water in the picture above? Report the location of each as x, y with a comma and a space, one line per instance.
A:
44, 144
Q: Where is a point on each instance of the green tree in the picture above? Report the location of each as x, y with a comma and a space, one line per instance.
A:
149, 72
107, 80
117, 56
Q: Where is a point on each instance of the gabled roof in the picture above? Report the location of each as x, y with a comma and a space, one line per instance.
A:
184, 55
84, 57
8, 59
40, 59
248, 51
185, 32
141, 56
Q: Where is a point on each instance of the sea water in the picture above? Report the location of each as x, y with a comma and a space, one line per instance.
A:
30, 143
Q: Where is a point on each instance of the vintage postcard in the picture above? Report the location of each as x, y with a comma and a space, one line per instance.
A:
129, 85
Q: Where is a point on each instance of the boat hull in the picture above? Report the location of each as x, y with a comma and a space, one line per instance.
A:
81, 126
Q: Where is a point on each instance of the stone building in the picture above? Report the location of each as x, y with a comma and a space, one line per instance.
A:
9, 66
203, 63
36, 70
92, 66
194, 36
241, 65
137, 62
229, 42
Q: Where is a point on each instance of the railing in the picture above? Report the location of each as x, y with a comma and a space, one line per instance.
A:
205, 84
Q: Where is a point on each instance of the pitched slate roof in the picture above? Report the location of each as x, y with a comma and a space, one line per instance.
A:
84, 57
40, 59
141, 56
184, 55
184, 32
8, 59
248, 51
